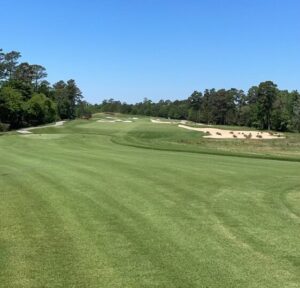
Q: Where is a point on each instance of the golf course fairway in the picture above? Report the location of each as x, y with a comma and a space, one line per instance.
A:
139, 204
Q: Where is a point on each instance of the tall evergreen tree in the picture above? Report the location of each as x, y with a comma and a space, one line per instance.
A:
266, 95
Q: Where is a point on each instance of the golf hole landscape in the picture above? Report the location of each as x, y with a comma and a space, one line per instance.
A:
122, 201
150, 144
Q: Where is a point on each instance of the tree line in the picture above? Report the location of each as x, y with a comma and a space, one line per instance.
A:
28, 99
263, 107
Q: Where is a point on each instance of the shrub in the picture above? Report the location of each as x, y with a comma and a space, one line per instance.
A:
4, 127
86, 116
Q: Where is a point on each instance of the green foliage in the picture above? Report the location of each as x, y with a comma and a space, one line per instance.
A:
26, 98
8, 64
267, 92
40, 109
11, 106
67, 96
263, 107
4, 127
84, 110
296, 114
280, 117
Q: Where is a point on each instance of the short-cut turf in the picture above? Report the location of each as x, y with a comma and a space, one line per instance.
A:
83, 206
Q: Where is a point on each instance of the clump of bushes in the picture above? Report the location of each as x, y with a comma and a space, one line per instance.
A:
4, 127
86, 116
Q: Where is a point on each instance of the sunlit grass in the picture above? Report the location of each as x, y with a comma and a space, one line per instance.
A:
85, 205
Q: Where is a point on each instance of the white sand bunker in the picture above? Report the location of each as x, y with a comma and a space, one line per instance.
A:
24, 132
227, 134
106, 121
158, 121
27, 130
111, 120
183, 122
114, 121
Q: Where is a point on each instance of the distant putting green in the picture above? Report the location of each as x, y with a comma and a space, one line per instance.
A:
138, 204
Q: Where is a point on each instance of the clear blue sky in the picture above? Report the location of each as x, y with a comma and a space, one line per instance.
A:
131, 49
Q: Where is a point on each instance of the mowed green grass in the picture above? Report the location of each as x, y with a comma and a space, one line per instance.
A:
86, 205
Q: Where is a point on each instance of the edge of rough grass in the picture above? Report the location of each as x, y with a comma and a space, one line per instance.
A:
118, 140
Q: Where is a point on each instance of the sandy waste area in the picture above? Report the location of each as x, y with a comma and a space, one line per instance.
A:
27, 130
159, 121
112, 120
228, 134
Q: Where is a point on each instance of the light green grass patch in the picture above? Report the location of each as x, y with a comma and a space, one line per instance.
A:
131, 206
42, 136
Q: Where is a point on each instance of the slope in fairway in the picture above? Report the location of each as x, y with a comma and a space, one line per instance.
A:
80, 210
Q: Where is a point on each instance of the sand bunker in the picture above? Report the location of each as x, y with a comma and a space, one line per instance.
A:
227, 134
183, 122
114, 121
106, 121
27, 130
111, 120
158, 121
202, 124
24, 132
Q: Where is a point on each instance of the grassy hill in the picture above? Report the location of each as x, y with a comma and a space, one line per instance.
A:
138, 204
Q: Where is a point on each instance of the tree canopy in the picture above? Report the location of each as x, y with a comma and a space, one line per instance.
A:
27, 98
263, 107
